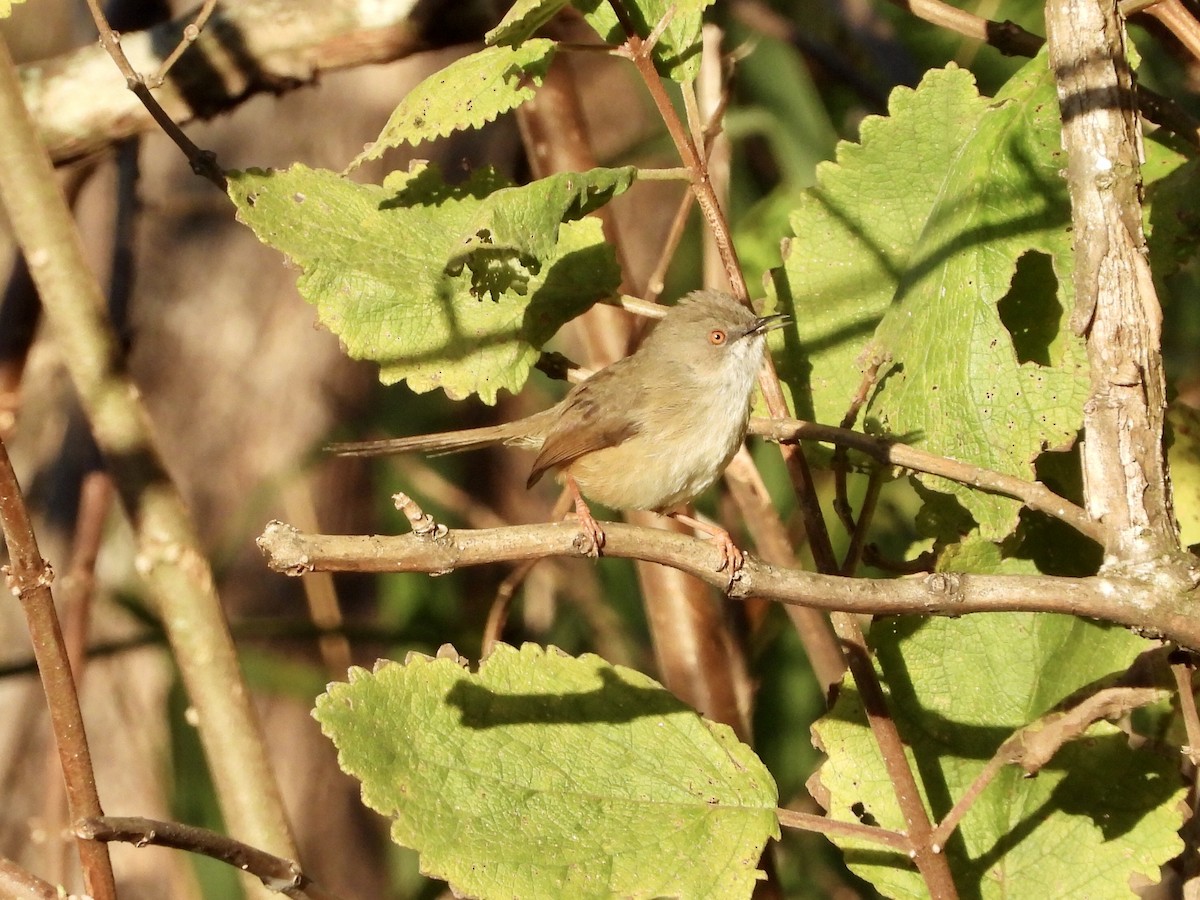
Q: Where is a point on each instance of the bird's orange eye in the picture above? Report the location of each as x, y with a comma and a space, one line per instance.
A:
716, 337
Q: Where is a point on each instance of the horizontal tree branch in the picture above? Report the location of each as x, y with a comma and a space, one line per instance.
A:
82, 104
1152, 607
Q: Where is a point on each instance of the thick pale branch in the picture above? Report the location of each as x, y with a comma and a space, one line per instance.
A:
1150, 608
82, 103
1116, 307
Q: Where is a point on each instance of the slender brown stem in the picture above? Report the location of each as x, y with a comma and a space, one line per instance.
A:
1179, 20
95, 502
1033, 494
324, 606
696, 654
190, 34
1033, 746
658, 276
967, 799
203, 162
29, 578
280, 875
933, 866
824, 825
771, 539
866, 512
1182, 674
493, 628
1007, 37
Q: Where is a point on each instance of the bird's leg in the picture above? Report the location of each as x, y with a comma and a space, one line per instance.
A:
586, 520
732, 558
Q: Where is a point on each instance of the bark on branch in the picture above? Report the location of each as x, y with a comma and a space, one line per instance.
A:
1116, 306
82, 104
1148, 607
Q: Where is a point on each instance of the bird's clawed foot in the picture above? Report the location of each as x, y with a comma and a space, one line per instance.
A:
731, 557
588, 525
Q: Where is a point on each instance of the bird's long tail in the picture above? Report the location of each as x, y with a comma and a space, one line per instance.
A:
521, 432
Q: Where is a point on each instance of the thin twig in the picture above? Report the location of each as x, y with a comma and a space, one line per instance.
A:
866, 512
320, 592
841, 462
933, 867
191, 33
493, 628
29, 577
770, 535
1179, 20
1034, 745
824, 825
203, 162
282, 876
1033, 494
78, 595
658, 276
1182, 673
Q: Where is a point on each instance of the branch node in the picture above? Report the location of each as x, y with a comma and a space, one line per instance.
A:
422, 523
945, 583
283, 546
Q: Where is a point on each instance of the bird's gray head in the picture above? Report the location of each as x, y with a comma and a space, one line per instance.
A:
713, 337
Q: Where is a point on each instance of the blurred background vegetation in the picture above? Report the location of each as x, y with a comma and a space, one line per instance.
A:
244, 390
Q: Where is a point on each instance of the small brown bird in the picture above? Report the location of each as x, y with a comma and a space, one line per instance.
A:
652, 430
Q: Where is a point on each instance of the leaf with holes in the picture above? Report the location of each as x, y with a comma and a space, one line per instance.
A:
468, 93
386, 269
948, 228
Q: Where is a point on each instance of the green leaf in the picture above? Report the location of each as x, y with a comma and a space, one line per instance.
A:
677, 53
927, 223
468, 93
522, 19
521, 224
854, 233
1171, 181
375, 262
1184, 456
958, 689
549, 776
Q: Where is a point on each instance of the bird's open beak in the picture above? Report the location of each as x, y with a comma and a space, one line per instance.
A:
769, 323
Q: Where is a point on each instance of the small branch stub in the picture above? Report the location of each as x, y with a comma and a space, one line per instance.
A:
423, 525
284, 547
